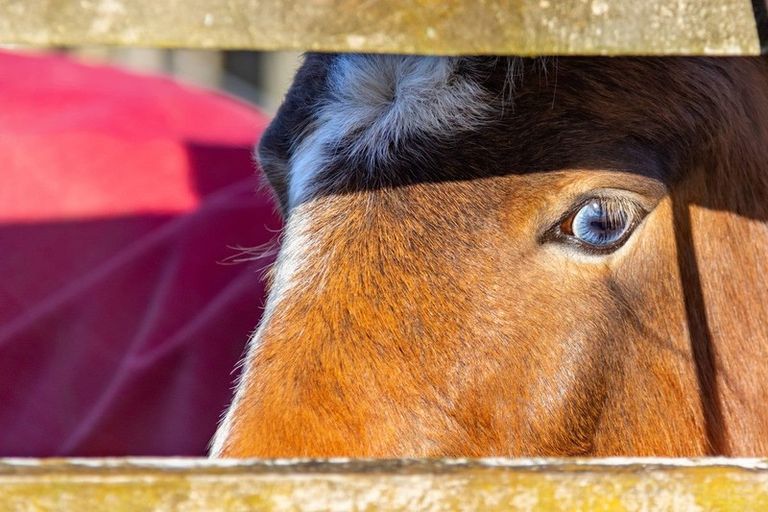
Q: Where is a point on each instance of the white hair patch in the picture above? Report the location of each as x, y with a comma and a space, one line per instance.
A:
376, 101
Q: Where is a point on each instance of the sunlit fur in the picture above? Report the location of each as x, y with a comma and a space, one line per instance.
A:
420, 305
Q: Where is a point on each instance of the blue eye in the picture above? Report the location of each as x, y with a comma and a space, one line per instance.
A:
601, 223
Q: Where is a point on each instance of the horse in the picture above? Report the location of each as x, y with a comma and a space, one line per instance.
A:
498, 256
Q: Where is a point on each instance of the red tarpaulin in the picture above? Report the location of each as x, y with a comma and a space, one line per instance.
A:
121, 198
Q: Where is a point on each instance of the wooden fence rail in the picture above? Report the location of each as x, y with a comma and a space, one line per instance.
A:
521, 27
115, 485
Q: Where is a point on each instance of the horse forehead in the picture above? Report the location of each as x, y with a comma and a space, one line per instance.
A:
405, 92
374, 104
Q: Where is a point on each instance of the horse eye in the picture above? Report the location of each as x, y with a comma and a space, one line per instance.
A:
601, 224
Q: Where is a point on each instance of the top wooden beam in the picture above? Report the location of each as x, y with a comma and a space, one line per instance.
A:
441, 27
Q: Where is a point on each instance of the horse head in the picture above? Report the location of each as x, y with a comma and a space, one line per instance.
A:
505, 256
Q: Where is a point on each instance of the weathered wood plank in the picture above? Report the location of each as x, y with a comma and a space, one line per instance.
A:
522, 27
117, 485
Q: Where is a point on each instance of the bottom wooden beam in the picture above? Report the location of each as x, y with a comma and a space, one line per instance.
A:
115, 485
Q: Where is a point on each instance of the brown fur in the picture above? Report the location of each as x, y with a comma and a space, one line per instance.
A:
429, 318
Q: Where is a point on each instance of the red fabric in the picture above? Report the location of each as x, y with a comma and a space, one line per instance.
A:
120, 197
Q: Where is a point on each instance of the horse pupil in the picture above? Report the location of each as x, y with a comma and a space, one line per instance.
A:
600, 224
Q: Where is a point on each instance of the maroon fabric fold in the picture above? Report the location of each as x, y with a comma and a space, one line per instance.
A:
123, 200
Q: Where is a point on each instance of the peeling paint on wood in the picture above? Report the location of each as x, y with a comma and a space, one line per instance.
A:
488, 484
522, 27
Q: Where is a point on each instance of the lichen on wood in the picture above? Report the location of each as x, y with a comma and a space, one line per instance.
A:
118, 485
519, 27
